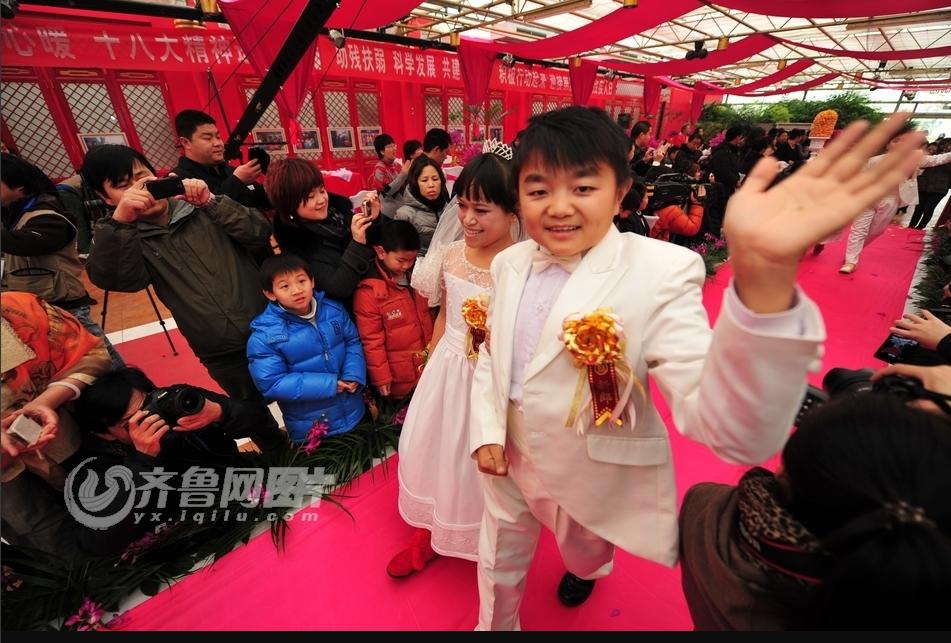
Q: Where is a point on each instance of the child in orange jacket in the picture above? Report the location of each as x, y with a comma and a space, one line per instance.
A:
393, 319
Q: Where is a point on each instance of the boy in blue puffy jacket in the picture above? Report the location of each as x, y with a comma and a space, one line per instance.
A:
305, 352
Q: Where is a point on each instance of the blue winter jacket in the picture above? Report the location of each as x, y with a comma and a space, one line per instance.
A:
298, 365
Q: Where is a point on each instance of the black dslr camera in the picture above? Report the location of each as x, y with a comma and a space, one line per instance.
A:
174, 402
844, 381
673, 189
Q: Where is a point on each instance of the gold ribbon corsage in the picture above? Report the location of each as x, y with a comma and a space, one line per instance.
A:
475, 312
596, 343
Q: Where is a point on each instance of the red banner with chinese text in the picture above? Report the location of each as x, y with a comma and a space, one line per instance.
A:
43, 42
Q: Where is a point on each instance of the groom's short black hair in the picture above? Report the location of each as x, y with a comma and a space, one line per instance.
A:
574, 137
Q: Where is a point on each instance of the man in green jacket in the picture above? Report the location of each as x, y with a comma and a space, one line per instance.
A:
194, 249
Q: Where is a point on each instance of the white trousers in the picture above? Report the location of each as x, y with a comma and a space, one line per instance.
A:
869, 226
516, 506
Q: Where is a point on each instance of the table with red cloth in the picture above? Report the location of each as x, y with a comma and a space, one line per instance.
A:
343, 185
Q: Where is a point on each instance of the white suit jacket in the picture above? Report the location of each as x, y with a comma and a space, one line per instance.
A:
732, 388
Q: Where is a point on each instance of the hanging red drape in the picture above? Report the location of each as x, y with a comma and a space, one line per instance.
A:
696, 106
262, 29
614, 27
910, 84
791, 70
651, 95
476, 60
582, 81
367, 14
832, 8
901, 54
740, 50
815, 82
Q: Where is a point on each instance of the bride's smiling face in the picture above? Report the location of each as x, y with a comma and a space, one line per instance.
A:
483, 223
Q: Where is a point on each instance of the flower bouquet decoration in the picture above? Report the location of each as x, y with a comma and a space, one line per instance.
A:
475, 312
595, 342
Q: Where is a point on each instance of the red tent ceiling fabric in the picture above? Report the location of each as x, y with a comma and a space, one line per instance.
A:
901, 54
791, 70
367, 14
617, 25
740, 50
831, 8
582, 80
739, 90
476, 61
262, 29
815, 82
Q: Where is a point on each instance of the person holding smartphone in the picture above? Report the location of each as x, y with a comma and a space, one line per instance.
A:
322, 228
928, 330
194, 249
47, 357
204, 158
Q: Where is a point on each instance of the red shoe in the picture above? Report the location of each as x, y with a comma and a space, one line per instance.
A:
414, 557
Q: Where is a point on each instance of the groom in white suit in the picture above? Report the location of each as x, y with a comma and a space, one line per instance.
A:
736, 389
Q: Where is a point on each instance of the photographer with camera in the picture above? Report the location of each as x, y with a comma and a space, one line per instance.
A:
854, 529
126, 420
194, 249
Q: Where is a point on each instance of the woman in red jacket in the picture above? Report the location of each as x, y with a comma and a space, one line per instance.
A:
393, 319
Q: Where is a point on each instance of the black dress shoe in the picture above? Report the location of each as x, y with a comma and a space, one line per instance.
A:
573, 591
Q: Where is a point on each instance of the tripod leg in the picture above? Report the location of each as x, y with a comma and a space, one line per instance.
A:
160, 320
105, 306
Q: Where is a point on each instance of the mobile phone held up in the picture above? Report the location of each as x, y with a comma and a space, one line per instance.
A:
165, 188
260, 154
25, 430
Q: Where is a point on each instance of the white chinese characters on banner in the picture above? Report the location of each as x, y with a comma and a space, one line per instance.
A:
118, 47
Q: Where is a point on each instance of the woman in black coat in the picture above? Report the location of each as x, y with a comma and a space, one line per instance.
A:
321, 227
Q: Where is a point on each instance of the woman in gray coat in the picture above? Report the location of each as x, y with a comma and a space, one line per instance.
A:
425, 200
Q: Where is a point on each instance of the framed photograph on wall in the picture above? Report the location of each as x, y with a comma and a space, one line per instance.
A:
310, 140
366, 135
457, 135
341, 139
272, 140
90, 140
476, 133
496, 132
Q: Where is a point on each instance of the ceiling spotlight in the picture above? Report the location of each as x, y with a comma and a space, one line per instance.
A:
337, 37
454, 39
509, 60
698, 51
908, 95
781, 65
629, 4
882, 63
722, 43
9, 8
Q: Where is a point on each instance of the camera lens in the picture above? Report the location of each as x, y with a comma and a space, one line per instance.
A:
846, 380
190, 401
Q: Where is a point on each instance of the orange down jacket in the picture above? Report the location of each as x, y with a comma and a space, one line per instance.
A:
395, 326
673, 220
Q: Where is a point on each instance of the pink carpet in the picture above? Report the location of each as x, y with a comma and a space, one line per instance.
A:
331, 575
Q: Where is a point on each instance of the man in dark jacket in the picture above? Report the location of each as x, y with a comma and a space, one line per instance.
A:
204, 159
194, 250
725, 160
